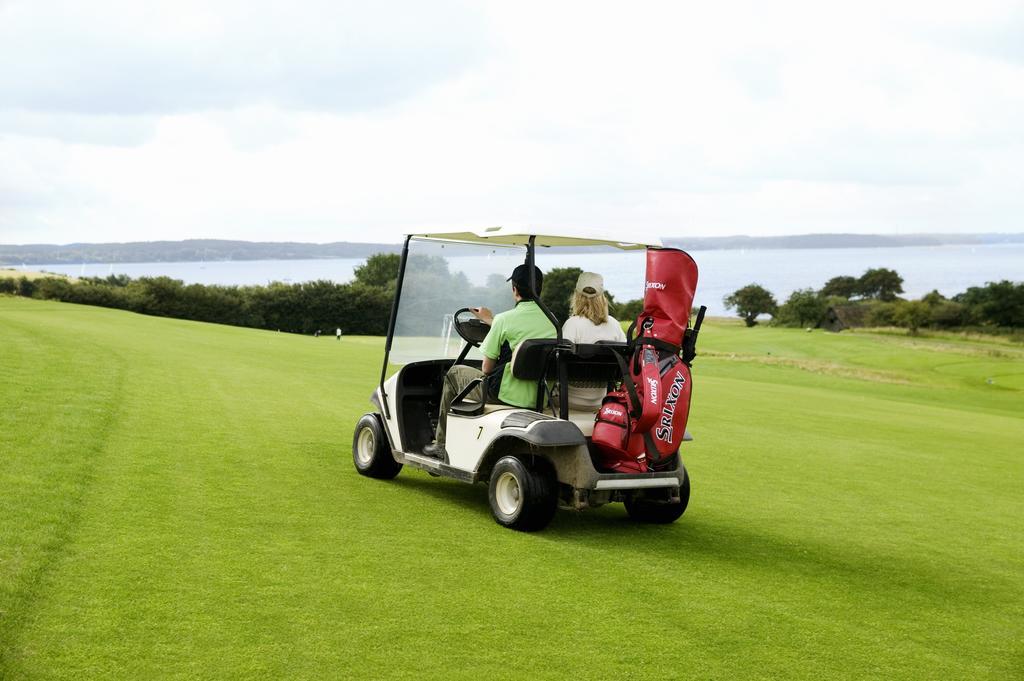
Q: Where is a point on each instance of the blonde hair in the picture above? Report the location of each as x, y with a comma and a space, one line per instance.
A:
594, 308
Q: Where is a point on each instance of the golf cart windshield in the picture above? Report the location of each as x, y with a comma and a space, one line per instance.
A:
440, 279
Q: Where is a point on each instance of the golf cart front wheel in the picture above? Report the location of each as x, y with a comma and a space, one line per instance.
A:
370, 450
658, 512
522, 498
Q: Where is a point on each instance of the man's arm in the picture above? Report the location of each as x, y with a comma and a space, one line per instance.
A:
491, 346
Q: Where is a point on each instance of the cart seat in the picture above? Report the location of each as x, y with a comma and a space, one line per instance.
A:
462, 405
587, 365
585, 362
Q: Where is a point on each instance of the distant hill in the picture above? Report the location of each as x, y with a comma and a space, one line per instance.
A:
192, 250
837, 241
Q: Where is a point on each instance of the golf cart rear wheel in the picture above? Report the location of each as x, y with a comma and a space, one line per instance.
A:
371, 452
522, 498
647, 510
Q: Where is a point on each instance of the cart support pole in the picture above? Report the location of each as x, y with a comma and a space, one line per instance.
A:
530, 249
560, 368
391, 326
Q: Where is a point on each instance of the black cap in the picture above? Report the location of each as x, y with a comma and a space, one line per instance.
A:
521, 279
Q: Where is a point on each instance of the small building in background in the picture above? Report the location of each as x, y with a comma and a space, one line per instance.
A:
839, 317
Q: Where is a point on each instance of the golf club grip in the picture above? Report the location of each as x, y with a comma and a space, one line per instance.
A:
700, 318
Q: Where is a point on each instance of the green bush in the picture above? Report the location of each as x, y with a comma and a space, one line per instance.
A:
804, 307
380, 269
948, 315
750, 302
882, 313
26, 287
627, 311
559, 284
998, 304
912, 315
880, 283
52, 288
842, 287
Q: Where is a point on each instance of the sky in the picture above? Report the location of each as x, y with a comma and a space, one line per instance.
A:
360, 121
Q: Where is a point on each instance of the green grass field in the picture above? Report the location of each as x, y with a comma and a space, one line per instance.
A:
177, 500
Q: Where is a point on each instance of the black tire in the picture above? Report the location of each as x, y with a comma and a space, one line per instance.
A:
522, 498
371, 452
657, 512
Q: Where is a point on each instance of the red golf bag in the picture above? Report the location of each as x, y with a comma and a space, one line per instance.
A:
643, 424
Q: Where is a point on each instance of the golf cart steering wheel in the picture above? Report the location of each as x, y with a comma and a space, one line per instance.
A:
472, 329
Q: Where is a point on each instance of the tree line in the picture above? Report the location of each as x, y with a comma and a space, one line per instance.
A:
362, 306
356, 307
873, 300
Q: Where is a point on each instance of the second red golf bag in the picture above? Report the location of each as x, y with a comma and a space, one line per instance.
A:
612, 437
656, 382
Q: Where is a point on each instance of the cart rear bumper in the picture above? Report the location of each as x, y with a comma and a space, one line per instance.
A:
644, 481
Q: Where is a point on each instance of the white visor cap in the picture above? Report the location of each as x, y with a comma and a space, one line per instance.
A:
590, 285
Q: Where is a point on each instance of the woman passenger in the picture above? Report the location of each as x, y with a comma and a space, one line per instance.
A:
590, 323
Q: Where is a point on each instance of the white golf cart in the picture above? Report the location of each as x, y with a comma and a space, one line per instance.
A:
534, 460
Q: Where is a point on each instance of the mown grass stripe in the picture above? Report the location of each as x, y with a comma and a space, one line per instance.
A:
56, 425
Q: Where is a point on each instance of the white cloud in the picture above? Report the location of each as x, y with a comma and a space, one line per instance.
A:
122, 57
339, 122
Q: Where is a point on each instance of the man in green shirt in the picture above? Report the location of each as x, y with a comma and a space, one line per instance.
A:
508, 330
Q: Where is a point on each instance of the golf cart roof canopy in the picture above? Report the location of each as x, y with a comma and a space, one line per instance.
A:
544, 236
